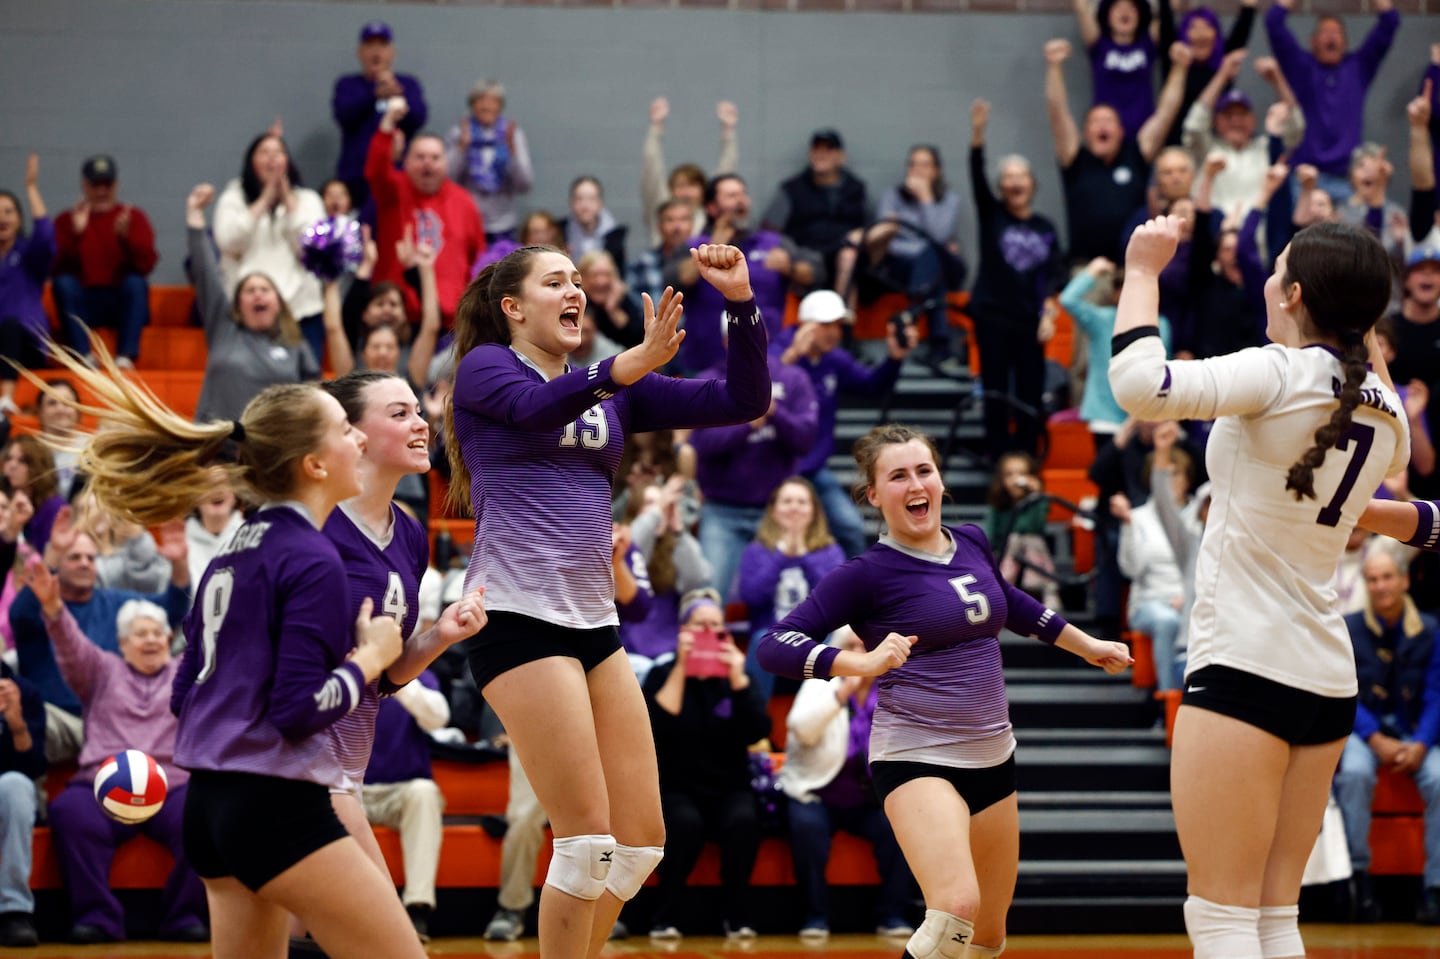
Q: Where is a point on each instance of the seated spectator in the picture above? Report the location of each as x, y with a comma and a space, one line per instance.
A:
1199, 30
1105, 167
816, 350
209, 527
488, 154
1331, 84
13, 515
361, 99
774, 264
687, 181
705, 714
923, 261
590, 225
675, 566
400, 791
22, 761
1096, 316
252, 338
58, 417
24, 267
127, 556
739, 466
259, 219
651, 459
618, 311
1121, 39
1021, 268
105, 250
819, 207
1222, 121
827, 778
126, 699
94, 608
1157, 589
676, 219
419, 199
1397, 722
1015, 515
30, 470
791, 552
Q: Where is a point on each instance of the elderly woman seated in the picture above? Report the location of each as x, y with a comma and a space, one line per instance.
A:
126, 703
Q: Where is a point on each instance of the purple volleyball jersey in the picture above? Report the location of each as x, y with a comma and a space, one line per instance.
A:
542, 455
265, 672
947, 703
389, 573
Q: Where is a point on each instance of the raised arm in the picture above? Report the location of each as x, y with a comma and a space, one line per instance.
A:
1239, 36
1152, 133
985, 200
1057, 102
652, 161
729, 159
337, 344
1089, 26
32, 187
209, 287
422, 351
1378, 41
1422, 150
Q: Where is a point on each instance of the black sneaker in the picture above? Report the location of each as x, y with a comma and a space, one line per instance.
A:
17, 929
1429, 912
420, 919
85, 934
1363, 907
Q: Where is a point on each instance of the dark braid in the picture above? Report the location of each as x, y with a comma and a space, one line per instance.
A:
1301, 477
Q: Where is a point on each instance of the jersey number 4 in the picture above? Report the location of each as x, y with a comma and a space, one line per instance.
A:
1361, 438
977, 606
394, 602
593, 436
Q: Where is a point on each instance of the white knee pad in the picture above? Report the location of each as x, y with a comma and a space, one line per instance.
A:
1222, 932
1280, 932
941, 936
632, 866
985, 952
580, 864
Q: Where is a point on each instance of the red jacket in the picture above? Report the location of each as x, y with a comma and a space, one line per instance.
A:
99, 256
449, 220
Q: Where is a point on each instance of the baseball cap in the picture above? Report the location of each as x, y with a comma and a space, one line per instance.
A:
1422, 254
827, 138
99, 169
376, 30
1233, 98
823, 306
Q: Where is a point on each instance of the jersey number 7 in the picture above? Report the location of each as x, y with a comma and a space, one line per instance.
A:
1364, 438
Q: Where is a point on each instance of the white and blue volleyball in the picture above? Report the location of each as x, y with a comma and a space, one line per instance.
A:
130, 786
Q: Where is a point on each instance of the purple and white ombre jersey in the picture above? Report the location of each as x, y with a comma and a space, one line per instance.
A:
947, 704
388, 571
265, 673
542, 455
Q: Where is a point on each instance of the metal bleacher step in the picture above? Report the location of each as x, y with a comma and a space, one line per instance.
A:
1071, 799
1052, 704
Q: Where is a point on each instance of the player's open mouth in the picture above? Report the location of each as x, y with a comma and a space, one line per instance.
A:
918, 508
422, 446
570, 320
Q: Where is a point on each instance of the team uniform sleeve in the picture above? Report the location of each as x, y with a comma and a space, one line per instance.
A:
662, 402
795, 646
1427, 526
314, 684
1250, 381
489, 383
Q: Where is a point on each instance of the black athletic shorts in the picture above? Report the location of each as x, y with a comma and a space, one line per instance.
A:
980, 788
1300, 718
254, 827
510, 639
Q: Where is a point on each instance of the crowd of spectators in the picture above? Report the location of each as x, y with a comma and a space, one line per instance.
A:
753, 512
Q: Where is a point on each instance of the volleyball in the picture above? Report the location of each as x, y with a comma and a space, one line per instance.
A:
130, 786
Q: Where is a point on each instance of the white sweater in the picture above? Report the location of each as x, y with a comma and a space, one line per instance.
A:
269, 245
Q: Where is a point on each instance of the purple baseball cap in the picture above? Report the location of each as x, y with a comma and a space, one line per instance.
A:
376, 30
1233, 98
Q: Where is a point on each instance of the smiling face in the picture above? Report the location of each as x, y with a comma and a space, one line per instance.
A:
269, 160
586, 202
397, 438
77, 573
257, 303
1016, 477
794, 508
1386, 585
386, 308
1017, 185
1422, 283
599, 277
907, 490
146, 647
16, 467
381, 350
9, 220
546, 314
1200, 36
55, 414
1235, 125
486, 108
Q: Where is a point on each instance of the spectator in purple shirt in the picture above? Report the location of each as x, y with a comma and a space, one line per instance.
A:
941, 747
24, 267
1121, 38
126, 700
282, 659
361, 99
1331, 83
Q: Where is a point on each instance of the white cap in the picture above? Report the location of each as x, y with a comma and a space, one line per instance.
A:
823, 306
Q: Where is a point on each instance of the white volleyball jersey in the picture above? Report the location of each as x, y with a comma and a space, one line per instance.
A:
1264, 594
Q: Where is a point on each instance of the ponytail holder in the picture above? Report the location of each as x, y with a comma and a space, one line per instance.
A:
237, 431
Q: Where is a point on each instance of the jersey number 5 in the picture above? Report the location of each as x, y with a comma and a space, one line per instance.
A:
977, 606
214, 605
1362, 437
595, 434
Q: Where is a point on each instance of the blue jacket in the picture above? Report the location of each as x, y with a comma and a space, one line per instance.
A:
1412, 700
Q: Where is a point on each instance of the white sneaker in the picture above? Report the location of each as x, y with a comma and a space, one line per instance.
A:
124, 363
665, 934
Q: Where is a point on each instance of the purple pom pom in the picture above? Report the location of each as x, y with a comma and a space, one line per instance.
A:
329, 250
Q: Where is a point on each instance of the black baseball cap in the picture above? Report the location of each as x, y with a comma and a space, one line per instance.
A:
99, 169
827, 138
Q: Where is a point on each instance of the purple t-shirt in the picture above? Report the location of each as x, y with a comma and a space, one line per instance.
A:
1124, 78
265, 672
703, 348
829, 374
23, 272
389, 574
542, 456
402, 748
